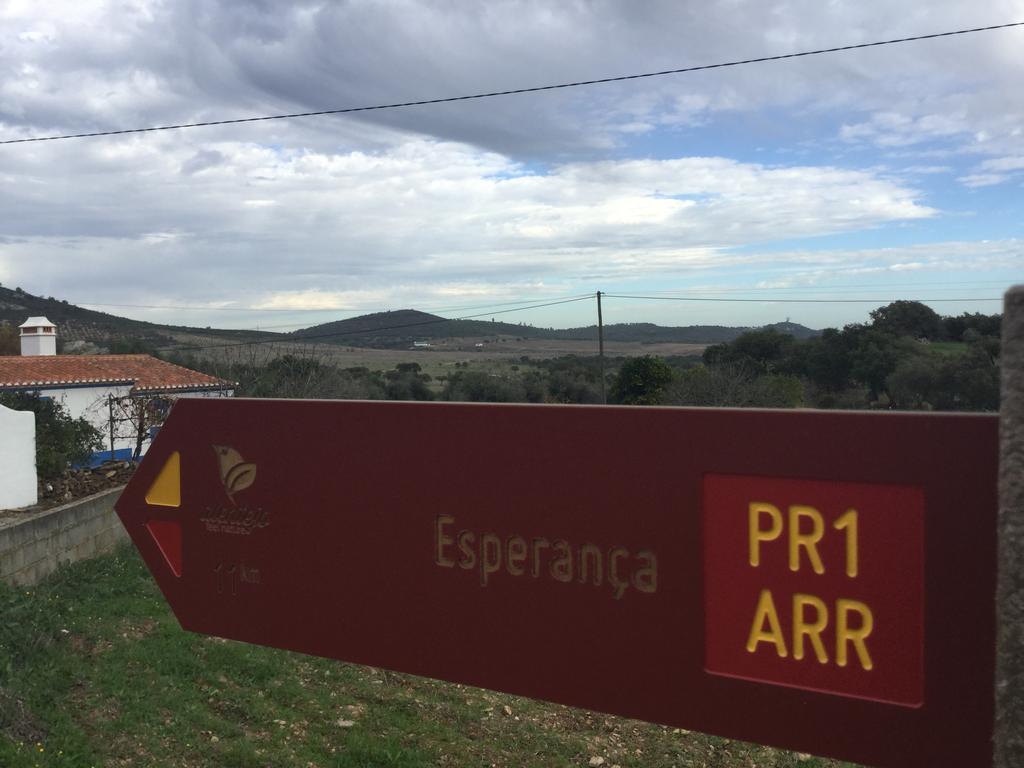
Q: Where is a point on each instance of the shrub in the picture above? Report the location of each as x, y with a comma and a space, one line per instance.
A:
60, 439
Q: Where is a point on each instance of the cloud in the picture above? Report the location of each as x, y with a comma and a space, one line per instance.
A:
201, 160
82, 66
995, 171
261, 219
654, 178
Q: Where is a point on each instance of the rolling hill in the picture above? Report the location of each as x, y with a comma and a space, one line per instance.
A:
79, 325
387, 330
405, 326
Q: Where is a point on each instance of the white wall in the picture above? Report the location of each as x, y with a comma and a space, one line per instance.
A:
91, 403
17, 459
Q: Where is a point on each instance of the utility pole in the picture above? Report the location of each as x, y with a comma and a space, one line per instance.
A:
600, 348
1009, 721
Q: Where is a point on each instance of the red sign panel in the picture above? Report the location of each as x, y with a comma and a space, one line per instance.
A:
816, 585
812, 580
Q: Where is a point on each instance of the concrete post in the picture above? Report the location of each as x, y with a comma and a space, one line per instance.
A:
1009, 725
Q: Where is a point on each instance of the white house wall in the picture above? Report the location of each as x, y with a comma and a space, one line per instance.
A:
91, 404
17, 459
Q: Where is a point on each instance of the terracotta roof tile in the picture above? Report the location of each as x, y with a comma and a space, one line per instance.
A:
144, 372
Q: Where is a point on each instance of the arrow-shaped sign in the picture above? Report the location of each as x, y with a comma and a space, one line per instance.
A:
812, 580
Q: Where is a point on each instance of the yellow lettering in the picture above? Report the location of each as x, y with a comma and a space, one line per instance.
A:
846, 634
812, 629
538, 545
592, 554
646, 579
515, 555
808, 541
468, 559
758, 534
561, 568
848, 522
490, 556
443, 541
618, 583
765, 611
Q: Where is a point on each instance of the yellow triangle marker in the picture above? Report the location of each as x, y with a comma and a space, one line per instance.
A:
166, 489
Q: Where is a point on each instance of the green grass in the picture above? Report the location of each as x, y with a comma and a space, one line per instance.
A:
947, 348
94, 671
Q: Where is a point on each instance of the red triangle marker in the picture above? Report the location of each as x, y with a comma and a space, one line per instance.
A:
167, 535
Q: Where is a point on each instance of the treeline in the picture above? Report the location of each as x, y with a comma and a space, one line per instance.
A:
907, 357
305, 375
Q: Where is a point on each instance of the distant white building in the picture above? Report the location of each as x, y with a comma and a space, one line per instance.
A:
99, 387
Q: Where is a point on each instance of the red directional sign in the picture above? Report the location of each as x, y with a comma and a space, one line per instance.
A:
820, 581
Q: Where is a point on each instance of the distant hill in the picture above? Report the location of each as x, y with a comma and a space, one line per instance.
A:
395, 329
403, 327
77, 324
795, 330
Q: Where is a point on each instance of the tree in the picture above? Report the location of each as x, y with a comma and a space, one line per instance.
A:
641, 381
983, 325
480, 387
133, 345
966, 382
765, 350
908, 318
565, 386
60, 439
406, 382
735, 386
10, 343
825, 361
140, 414
874, 355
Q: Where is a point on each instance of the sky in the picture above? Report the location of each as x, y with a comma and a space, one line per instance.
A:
814, 189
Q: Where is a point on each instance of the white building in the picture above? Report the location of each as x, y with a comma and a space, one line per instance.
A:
38, 337
17, 459
103, 389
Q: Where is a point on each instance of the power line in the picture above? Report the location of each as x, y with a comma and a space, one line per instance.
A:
950, 285
364, 310
333, 334
514, 91
783, 300
462, 308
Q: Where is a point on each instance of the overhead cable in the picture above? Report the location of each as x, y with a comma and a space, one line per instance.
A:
512, 91
783, 300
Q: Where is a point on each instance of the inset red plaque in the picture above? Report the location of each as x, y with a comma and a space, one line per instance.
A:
799, 585
820, 581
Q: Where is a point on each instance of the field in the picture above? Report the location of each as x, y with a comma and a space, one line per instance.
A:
494, 354
94, 671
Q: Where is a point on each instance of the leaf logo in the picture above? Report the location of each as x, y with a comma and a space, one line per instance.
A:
235, 473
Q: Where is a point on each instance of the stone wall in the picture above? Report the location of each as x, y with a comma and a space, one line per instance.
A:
33, 545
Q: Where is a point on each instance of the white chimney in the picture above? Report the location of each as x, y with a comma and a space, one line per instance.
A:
38, 337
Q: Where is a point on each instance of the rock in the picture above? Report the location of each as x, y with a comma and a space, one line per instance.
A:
595, 761
346, 723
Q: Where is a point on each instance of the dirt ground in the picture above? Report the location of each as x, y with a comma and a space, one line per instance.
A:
77, 484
